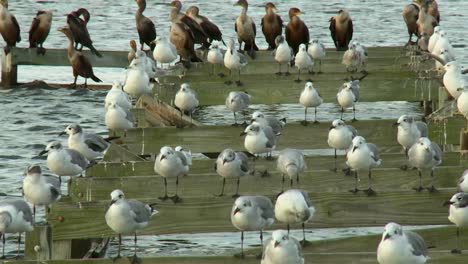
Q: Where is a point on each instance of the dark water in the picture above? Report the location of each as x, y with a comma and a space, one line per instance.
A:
32, 117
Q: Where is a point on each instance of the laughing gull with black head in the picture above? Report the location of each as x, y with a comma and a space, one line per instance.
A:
92, 146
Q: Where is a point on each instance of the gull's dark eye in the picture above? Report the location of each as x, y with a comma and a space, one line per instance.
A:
120, 196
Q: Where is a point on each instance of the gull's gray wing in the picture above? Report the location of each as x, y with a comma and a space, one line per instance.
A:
142, 214
375, 151
95, 142
245, 98
437, 151
353, 130
417, 243
270, 136
298, 246
23, 207
422, 127
355, 89
182, 158
242, 58
275, 124
129, 116
244, 161
265, 204
323, 46
306, 198
77, 158
54, 183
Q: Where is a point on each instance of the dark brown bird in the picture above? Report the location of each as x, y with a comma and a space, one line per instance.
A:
182, 38
40, 28
410, 15
341, 29
79, 30
426, 22
296, 31
145, 27
9, 27
210, 28
246, 29
199, 35
272, 25
433, 9
80, 64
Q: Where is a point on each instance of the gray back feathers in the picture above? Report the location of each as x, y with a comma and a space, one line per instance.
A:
417, 242
182, 157
141, 210
375, 151
422, 127
77, 158
21, 206
95, 142
437, 151
353, 130
265, 204
244, 160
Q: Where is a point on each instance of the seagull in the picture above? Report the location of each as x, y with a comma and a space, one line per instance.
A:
170, 164
294, 206
362, 55
409, 131
252, 213
317, 51
454, 79
231, 164
39, 189
434, 38
348, 96
282, 248
290, 162
127, 216
462, 102
137, 81
273, 122
340, 136
63, 161
398, 246
259, 139
164, 52
283, 54
215, 57
445, 56
238, 101
310, 97
149, 65
443, 43
15, 217
234, 60
463, 182
302, 61
352, 58
458, 214
363, 156
425, 154
186, 100
187, 154
118, 96
92, 146
118, 118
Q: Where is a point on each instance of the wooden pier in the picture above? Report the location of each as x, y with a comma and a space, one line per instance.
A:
128, 165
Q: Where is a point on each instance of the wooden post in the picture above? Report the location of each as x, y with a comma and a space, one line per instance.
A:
37, 243
464, 141
9, 70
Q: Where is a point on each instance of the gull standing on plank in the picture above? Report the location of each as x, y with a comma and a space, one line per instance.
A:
63, 161
15, 217
39, 189
310, 97
352, 58
234, 60
294, 206
149, 65
186, 100
283, 54
454, 79
92, 146
137, 81
398, 246
317, 51
302, 61
282, 248
127, 216
231, 164
164, 52
363, 156
118, 96
273, 122
409, 132
463, 182
187, 154
445, 55
258, 140
433, 39
252, 213
362, 55
458, 214
118, 118
443, 43
425, 154
170, 164
215, 57
340, 136
462, 102
348, 96
290, 162
238, 101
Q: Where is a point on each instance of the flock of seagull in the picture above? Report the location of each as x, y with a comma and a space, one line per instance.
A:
249, 213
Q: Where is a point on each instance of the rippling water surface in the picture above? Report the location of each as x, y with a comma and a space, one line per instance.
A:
32, 117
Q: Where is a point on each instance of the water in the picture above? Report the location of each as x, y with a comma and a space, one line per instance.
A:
33, 117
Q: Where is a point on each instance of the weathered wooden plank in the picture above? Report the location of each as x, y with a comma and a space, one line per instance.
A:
38, 243
73, 220
142, 141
